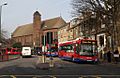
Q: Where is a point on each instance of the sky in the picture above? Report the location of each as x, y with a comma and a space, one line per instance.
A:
20, 12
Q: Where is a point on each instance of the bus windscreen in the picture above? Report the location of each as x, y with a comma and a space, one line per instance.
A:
87, 49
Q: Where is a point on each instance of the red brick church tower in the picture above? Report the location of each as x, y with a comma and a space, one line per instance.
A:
36, 28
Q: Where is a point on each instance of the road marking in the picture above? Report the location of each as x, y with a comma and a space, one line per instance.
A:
53, 76
12, 76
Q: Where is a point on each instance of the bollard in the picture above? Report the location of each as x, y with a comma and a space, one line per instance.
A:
7, 56
51, 64
43, 58
2, 58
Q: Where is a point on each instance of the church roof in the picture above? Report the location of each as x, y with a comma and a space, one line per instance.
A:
46, 24
23, 30
53, 23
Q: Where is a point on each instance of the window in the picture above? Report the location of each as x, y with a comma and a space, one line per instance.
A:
55, 35
103, 26
101, 40
67, 48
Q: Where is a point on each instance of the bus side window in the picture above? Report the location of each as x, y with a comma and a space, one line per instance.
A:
77, 48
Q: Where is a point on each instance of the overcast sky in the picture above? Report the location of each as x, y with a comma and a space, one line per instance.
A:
20, 12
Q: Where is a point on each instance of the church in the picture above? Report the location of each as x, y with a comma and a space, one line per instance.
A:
39, 32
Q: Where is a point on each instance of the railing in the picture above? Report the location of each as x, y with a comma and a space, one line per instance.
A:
4, 57
7, 57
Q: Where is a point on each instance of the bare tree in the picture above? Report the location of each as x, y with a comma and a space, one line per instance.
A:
4, 37
105, 9
107, 12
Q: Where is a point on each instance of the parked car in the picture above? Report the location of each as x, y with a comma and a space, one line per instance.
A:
26, 51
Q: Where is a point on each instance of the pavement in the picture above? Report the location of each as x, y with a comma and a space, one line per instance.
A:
8, 57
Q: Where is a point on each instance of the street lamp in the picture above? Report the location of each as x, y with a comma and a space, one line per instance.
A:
0, 22
44, 45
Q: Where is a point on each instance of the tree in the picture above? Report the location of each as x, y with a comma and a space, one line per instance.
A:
106, 11
102, 6
4, 38
17, 45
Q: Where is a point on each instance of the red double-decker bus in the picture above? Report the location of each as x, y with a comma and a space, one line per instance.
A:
80, 50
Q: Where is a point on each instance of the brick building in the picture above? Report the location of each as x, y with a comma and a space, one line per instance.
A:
38, 32
63, 33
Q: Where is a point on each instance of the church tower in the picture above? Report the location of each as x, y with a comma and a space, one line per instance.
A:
36, 28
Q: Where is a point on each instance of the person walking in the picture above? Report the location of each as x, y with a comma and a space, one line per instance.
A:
109, 56
116, 56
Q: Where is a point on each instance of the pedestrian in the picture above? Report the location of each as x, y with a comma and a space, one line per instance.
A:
116, 56
104, 53
109, 56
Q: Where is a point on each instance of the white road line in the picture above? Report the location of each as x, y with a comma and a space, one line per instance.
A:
71, 75
12, 76
55, 76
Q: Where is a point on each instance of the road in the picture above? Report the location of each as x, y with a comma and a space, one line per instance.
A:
27, 67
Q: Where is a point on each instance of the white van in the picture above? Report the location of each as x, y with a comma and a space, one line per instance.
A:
26, 51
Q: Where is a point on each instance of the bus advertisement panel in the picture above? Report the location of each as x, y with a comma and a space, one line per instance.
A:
82, 50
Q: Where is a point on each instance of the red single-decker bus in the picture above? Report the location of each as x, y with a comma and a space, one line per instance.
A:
81, 50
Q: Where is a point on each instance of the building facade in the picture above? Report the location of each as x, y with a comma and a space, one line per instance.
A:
39, 32
87, 25
63, 33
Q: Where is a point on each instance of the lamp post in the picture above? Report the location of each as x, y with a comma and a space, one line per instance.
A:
44, 35
0, 22
44, 49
